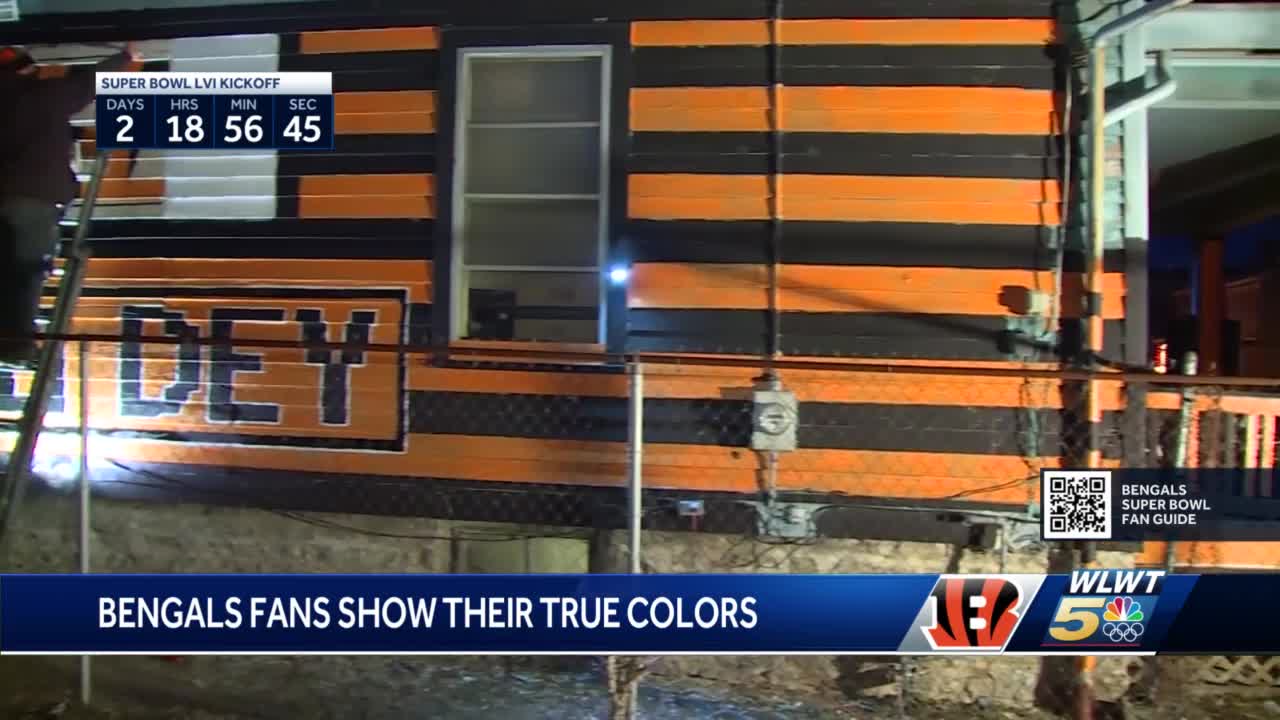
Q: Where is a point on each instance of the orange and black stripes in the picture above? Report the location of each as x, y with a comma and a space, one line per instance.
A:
848, 198
908, 148
384, 160
860, 289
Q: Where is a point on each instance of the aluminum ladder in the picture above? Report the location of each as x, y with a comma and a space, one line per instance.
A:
18, 473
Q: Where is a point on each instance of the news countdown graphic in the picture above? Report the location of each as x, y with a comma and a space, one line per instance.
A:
1105, 609
964, 613
215, 111
1089, 612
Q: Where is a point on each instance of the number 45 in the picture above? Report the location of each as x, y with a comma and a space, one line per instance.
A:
303, 130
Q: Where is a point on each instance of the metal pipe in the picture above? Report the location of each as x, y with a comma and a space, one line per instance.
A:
1164, 88
33, 410
635, 462
1097, 247
1097, 160
774, 349
85, 669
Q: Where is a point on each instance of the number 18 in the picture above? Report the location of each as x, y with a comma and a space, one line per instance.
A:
194, 131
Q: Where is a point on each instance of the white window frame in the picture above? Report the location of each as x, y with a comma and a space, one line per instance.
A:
460, 291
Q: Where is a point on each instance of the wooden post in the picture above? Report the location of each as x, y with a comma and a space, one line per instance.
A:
1211, 291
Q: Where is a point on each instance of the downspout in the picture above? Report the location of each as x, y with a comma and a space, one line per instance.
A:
1098, 121
770, 381
775, 183
1164, 88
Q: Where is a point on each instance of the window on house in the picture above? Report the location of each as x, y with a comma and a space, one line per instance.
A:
530, 194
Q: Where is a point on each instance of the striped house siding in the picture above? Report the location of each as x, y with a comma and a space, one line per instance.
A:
919, 194
914, 218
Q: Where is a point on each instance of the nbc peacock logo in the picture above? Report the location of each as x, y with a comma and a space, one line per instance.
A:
1122, 620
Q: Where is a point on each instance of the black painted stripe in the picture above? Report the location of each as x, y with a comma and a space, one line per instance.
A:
369, 246
360, 154
1025, 66
517, 503
357, 14
995, 156
868, 335
354, 14
854, 243
419, 324
855, 426
370, 71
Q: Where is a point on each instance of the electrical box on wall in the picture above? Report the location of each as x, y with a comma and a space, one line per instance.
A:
774, 417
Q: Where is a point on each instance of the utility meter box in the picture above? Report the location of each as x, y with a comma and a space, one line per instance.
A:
774, 417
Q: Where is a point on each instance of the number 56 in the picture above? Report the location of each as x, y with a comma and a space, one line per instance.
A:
252, 128
1076, 610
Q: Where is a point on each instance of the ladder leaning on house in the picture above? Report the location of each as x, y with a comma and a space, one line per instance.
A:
50, 360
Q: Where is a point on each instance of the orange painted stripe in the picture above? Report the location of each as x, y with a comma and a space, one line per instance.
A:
355, 196
843, 32
847, 109
863, 187
659, 33
840, 197
1234, 555
918, 32
377, 40
920, 211
380, 184
828, 288
366, 206
391, 112
923, 188
981, 478
996, 100
120, 188
1208, 400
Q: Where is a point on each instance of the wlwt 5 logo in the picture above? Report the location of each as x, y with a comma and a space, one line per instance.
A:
1105, 609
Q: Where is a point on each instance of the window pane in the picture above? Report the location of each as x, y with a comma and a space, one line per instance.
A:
555, 307
531, 232
521, 90
538, 161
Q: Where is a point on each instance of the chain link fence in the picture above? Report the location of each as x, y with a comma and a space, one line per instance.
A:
271, 456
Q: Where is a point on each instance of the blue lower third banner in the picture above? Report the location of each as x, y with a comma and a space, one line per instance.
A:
1097, 611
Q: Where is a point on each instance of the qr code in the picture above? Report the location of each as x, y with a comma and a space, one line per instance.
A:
1077, 505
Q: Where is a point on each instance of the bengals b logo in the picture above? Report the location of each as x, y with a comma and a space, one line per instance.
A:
973, 613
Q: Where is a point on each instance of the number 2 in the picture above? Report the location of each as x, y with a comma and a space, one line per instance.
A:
126, 124
299, 131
